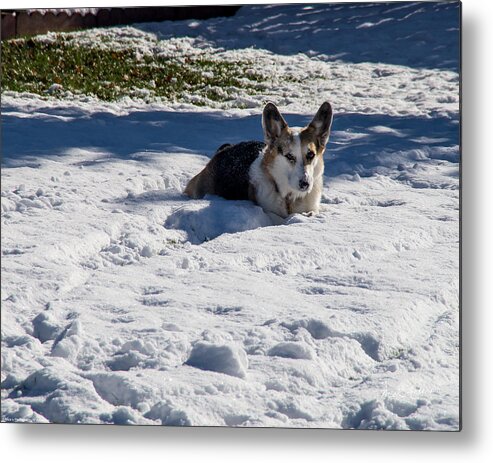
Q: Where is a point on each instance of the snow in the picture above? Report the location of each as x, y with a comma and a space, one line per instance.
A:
403, 33
292, 350
67, 11
206, 220
229, 359
125, 302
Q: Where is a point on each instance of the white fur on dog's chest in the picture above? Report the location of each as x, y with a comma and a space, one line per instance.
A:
268, 196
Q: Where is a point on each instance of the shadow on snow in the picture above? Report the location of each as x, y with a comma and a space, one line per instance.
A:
415, 34
359, 143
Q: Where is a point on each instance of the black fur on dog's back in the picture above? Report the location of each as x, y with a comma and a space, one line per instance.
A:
227, 173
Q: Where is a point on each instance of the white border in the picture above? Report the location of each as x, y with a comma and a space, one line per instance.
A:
28, 443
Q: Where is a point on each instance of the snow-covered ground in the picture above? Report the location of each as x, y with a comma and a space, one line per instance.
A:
125, 302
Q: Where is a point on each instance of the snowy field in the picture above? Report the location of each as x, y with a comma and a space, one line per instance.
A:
125, 302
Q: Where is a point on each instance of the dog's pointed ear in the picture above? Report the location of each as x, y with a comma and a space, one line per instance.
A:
321, 123
272, 122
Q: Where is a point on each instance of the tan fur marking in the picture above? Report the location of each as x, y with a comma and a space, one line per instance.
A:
200, 185
272, 150
270, 154
308, 140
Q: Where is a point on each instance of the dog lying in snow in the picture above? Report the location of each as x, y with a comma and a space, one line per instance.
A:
283, 175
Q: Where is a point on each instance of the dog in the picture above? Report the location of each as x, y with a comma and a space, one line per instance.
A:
283, 174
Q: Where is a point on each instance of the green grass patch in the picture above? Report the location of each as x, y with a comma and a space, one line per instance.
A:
31, 65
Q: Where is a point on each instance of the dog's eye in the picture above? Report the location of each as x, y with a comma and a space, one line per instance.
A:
310, 155
290, 158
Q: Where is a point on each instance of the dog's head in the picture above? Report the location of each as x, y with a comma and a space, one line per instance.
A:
294, 156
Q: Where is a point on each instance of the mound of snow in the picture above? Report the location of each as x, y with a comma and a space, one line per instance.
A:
40, 382
317, 328
374, 415
292, 350
229, 359
45, 327
131, 354
168, 416
68, 343
206, 220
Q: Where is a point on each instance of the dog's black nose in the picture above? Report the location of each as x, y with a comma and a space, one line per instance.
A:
303, 185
